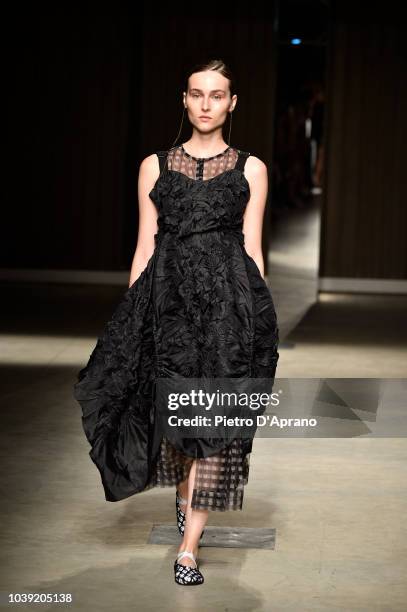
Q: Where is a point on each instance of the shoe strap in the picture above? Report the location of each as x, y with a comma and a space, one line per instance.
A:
185, 553
182, 500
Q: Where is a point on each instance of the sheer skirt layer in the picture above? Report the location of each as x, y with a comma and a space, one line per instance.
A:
219, 479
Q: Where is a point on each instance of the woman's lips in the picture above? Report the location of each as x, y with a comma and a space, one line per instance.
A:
205, 118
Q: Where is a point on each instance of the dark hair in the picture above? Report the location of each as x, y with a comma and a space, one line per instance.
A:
215, 64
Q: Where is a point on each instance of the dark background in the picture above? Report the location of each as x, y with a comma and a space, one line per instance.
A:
93, 89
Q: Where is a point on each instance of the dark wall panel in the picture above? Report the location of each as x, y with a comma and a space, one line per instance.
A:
363, 231
92, 91
67, 84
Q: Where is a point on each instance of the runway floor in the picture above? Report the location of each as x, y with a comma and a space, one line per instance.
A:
338, 505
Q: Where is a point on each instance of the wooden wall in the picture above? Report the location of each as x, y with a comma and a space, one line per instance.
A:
364, 220
68, 88
92, 91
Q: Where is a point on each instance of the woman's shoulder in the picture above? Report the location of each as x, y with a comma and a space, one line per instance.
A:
152, 164
153, 156
149, 162
255, 164
252, 160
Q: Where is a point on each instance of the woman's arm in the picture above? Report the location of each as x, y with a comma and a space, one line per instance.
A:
147, 227
256, 174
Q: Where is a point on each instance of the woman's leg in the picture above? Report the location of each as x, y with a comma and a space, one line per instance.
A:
195, 521
182, 488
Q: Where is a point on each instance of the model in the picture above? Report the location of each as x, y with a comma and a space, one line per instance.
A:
197, 306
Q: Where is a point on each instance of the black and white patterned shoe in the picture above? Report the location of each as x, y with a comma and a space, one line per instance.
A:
180, 514
185, 574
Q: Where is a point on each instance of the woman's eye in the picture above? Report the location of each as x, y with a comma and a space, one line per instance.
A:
215, 96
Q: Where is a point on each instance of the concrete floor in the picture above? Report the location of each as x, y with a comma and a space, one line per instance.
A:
338, 505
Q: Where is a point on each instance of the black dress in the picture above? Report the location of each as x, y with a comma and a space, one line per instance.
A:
200, 308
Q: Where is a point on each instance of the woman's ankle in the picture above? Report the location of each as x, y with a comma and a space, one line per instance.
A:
194, 551
183, 494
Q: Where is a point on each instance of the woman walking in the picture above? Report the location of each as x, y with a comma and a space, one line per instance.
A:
197, 306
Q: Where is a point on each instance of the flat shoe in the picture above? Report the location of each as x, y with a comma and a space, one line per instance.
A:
184, 574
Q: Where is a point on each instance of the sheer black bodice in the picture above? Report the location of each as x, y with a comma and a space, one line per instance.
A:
202, 168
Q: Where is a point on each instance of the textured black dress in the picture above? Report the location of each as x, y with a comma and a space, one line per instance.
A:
200, 308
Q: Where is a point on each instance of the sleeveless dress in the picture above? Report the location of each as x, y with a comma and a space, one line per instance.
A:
200, 308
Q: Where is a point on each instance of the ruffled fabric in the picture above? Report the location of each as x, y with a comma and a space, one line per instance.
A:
115, 393
200, 308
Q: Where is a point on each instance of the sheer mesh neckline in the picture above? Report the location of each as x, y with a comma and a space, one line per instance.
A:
202, 168
203, 158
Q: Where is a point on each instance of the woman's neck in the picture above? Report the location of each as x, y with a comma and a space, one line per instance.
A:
199, 147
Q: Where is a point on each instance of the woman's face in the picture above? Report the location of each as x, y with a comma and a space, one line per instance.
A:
208, 96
